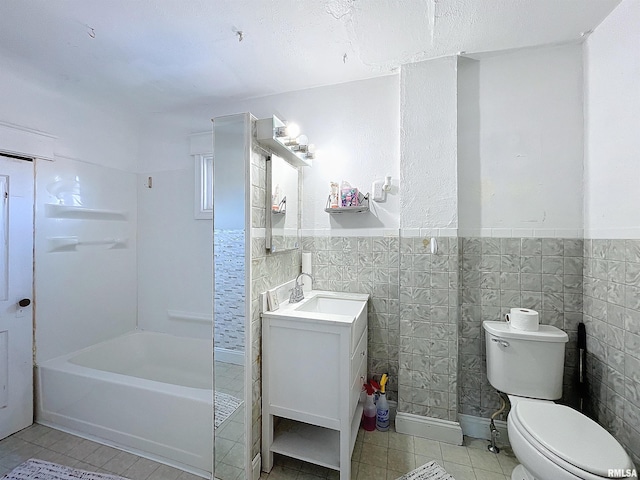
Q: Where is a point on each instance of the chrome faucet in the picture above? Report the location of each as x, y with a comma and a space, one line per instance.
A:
297, 294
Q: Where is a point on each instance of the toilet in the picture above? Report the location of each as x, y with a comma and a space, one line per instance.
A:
551, 441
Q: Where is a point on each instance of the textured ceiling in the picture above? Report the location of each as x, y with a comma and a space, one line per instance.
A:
156, 55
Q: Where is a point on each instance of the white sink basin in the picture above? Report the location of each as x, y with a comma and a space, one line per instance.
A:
321, 306
332, 306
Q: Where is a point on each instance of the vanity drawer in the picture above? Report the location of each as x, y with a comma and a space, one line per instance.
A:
358, 354
359, 325
359, 379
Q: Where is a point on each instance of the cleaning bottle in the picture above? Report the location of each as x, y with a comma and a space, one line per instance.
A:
382, 417
370, 412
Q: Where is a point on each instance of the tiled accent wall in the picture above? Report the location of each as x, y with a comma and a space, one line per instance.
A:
365, 265
543, 274
428, 356
267, 271
229, 288
612, 322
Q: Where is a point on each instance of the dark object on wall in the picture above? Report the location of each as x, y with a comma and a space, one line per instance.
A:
582, 356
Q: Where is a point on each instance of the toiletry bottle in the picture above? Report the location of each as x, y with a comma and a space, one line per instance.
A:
370, 412
275, 199
382, 417
333, 197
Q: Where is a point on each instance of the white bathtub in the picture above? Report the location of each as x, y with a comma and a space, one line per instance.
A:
149, 393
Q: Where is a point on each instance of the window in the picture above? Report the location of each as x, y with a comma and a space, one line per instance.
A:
204, 187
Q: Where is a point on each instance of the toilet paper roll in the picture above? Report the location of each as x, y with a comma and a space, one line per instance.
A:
306, 268
523, 319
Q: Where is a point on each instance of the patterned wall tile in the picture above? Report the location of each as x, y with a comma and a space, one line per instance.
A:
229, 298
428, 318
366, 265
611, 313
498, 274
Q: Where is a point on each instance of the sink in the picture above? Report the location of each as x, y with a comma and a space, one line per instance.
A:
325, 308
332, 306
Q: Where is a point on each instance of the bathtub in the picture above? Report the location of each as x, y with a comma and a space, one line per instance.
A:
148, 393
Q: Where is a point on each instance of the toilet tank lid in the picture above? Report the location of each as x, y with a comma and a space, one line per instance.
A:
545, 333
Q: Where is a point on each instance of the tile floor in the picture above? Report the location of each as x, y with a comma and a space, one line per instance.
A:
376, 456
44, 443
230, 437
389, 455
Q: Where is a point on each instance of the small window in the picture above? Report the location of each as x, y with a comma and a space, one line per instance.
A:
204, 187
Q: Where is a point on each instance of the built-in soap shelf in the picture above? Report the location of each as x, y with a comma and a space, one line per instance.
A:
70, 244
363, 205
53, 210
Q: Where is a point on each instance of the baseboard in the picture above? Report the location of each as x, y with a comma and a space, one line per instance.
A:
256, 466
478, 427
225, 355
431, 428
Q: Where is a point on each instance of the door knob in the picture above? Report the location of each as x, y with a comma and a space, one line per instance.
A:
25, 302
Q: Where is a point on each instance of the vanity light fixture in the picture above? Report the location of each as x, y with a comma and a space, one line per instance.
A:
311, 151
284, 139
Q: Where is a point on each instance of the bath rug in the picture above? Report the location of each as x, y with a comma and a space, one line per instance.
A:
428, 471
225, 405
34, 469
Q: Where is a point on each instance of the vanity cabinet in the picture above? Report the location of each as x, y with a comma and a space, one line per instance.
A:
314, 366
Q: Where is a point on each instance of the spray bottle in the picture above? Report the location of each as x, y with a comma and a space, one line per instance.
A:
369, 413
382, 417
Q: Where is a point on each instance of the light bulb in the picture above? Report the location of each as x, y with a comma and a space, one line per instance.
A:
302, 140
293, 130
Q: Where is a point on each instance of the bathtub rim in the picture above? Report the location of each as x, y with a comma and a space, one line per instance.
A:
103, 434
63, 363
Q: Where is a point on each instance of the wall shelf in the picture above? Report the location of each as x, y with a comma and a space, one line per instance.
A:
266, 135
53, 210
363, 206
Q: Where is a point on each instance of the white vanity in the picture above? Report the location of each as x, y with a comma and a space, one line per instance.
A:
314, 363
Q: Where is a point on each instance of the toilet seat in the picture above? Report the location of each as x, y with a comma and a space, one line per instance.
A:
569, 439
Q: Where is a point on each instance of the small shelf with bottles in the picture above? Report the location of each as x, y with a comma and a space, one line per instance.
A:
362, 206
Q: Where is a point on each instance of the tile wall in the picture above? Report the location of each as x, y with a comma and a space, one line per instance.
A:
428, 356
365, 265
543, 274
267, 271
612, 322
229, 288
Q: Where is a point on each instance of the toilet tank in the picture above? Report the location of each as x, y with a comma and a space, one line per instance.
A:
527, 364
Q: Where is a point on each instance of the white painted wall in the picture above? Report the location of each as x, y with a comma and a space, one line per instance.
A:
98, 133
520, 158
612, 125
428, 197
356, 126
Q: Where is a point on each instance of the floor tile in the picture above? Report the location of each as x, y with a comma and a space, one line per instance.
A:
486, 475
459, 472
484, 460
374, 455
455, 454
401, 461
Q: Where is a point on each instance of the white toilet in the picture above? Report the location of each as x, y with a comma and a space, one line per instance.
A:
551, 441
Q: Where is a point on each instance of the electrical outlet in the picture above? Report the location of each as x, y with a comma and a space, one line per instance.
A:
378, 192
272, 300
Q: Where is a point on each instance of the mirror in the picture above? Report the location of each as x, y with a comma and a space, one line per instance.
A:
282, 205
231, 310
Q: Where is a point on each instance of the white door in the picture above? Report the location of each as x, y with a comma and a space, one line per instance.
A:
16, 287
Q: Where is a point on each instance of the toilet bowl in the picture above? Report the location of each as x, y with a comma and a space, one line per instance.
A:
552, 442
555, 442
